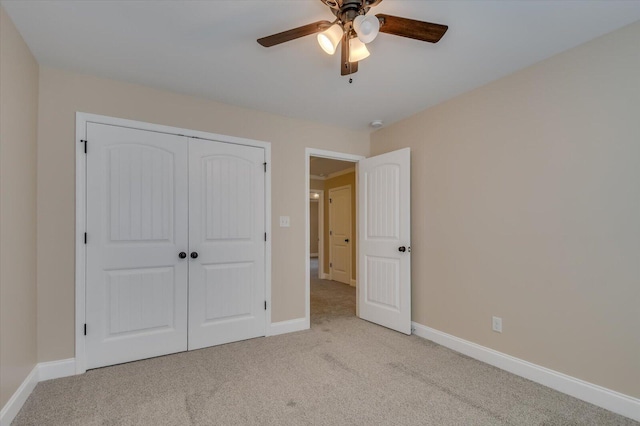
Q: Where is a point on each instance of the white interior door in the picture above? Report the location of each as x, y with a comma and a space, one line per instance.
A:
385, 240
136, 286
227, 231
340, 234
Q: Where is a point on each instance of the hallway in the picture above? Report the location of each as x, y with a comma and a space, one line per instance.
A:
330, 299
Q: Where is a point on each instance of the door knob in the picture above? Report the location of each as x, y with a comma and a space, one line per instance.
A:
346, 240
182, 255
402, 249
194, 254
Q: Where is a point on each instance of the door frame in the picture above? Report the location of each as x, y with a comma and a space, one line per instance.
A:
82, 119
308, 153
351, 261
320, 202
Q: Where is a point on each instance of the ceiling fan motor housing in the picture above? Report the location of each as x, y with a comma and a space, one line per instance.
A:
347, 10
337, 4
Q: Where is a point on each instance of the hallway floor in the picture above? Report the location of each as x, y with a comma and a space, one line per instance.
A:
330, 299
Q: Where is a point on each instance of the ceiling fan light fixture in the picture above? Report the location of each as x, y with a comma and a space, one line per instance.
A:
357, 50
367, 27
329, 38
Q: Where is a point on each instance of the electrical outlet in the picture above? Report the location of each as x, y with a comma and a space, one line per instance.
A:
285, 221
496, 324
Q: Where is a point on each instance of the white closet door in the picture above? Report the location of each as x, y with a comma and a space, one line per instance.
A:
385, 240
136, 299
226, 231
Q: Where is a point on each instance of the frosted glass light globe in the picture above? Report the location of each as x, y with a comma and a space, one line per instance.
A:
330, 38
367, 27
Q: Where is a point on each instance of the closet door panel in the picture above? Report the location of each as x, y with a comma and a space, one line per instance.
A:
226, 230
136, 287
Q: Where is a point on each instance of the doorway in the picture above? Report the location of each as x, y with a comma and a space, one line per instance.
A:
383, 250
332, 276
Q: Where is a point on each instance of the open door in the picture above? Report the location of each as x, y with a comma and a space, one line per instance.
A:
385, 240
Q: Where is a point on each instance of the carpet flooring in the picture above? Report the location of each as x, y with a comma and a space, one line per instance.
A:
330, 299
343, 371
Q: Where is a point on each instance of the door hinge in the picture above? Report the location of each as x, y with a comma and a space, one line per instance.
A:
85, 238
265, 305
330, 201
84, 141
265, 236
330, 232
265, 167
85, 329
330, 265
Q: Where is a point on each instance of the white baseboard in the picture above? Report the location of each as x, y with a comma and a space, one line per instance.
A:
288, 326
353, 283
41, 372
19, 397
619, 403
56, 369
324, 276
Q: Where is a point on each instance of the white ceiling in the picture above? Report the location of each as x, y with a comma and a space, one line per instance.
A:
209, 49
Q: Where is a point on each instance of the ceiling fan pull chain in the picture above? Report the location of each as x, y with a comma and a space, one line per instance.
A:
349, 63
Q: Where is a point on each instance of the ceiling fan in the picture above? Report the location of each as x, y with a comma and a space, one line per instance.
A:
354, 28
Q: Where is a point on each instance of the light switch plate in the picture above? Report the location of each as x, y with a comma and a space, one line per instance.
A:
285, 222
496, 324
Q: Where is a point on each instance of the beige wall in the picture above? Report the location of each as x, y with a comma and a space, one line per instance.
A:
348, 179
63, 93
314, 242
313, 226
526, 205
18, 137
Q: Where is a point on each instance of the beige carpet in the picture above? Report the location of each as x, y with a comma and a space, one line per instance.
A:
330, 300
344, 371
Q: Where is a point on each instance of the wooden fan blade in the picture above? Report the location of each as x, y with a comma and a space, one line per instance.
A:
293, 34
346, 67
418, 30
